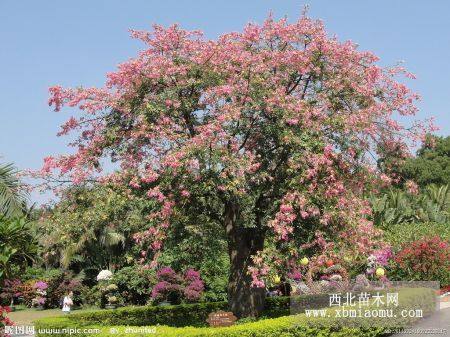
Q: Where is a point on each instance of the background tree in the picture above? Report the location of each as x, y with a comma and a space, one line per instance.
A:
12, 196
262, 139
431, 165
18, 245
17, 237
91, 229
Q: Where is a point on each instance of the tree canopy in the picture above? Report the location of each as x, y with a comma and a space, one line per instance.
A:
431, 165
264, 138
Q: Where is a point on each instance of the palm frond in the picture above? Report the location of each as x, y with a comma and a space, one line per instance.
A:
12, 197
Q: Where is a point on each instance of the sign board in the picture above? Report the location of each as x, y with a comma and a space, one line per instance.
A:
221, 318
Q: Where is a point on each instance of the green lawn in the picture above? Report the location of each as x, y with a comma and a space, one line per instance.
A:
26, 316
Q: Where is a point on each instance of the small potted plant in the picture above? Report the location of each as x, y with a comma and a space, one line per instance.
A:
110, 293
112, 302
103, 278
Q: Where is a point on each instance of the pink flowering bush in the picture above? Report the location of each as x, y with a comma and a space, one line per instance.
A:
175, 288
194, 285
379, 259
10, 290
427, 259
40, 299
268, 133
40, 285
4, 320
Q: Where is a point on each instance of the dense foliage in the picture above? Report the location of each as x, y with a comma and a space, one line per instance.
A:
135, 284
432, 204
91, 229
18, 245
416, 226
17, 237
432, 163
402, 233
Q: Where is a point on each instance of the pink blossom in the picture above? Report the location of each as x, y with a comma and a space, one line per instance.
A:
412, 187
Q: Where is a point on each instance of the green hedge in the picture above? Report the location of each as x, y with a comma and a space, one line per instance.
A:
174, 315
171, 315
287, 326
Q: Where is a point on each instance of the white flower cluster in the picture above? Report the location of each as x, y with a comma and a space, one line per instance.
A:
41, 292
336, 278
371, 260
371, 264
104, 275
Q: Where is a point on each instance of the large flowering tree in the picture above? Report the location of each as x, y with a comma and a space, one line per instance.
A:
265, 137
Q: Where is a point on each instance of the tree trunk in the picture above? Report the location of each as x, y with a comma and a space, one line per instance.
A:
244, 300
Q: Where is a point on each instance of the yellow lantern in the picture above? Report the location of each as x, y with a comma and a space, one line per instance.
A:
276, 279
379, 272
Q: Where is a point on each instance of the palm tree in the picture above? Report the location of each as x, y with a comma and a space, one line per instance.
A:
17, 244
102, 244
395, 206
12, 197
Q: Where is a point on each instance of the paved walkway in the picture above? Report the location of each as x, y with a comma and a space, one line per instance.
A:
437, 325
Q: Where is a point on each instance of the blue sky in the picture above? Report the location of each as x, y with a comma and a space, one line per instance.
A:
73, 43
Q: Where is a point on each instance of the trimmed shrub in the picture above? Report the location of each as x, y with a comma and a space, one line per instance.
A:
172, 315
287, 326
177, 315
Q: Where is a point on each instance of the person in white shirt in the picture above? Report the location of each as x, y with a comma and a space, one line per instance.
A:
67, 303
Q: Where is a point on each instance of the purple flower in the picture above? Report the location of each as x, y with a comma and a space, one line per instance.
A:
194, 290
370, 271
167, 274
40, 285
164, 288
295, 275
383, 256
171, 284
192, 275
